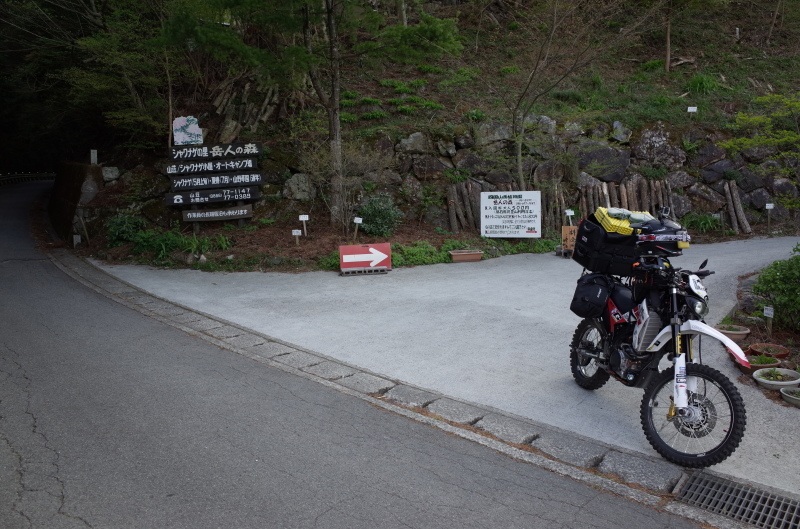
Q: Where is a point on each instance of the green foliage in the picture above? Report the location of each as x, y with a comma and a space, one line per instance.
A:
417, 253
691, 147
461, 77
347, 117
732, 174
123, 228
651, 66
509, 70
653, 173
702, 222
406, 109
431, 37
778, 284
702, 84
375, 114
456, 175
380, 217
431, 105
370, 101
475, 115
427, 68
329, 262
776, 127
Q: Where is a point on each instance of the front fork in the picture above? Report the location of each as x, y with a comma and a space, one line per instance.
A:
683, 385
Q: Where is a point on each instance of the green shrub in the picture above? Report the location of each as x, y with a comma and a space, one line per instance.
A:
778, 284
702, 84
379, 216
375, 114
651, 66
702, 222
417, 253
330, 261
123, 228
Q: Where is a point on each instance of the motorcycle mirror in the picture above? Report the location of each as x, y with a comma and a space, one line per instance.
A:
703, 264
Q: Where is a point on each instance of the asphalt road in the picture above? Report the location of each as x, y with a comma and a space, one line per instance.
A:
494, 332
112, 419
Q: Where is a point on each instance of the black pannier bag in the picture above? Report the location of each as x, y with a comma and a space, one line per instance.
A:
603, 252
591, 296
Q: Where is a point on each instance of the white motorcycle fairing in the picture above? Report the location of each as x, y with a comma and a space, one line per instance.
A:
698, 327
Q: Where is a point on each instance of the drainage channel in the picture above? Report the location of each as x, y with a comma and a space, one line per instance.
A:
741, 502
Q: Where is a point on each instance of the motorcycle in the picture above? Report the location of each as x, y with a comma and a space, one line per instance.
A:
641, 312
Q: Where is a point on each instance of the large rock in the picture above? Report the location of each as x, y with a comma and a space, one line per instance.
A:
492, 132
620, 132
680, 179
759, 198
716, 171
655, 147
471, 162
682, 205
784, 187
427, 167
708, 154
749, 181
417, 143
300, 187
600, 159
705, 199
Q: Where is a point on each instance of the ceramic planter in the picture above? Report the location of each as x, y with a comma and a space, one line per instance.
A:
792, 382
791, 399
755, 367
769, 349
737, 333
462, 256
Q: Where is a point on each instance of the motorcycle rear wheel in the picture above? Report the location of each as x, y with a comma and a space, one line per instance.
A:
585, 370
712, 430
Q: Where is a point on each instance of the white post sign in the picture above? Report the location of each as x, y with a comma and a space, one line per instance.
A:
511, 214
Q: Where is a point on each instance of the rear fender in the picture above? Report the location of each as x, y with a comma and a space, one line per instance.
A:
698, 327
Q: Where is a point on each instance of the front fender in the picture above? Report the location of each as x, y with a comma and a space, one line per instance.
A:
698, 327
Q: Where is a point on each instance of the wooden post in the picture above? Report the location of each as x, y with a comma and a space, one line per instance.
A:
451, 208
737, 203
731, 209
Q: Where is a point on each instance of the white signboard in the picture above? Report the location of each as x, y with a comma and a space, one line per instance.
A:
186, 131
511, 214
769, 312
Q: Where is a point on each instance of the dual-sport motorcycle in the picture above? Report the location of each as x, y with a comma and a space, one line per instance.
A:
638, 309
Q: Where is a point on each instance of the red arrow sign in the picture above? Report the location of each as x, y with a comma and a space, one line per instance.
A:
366, 256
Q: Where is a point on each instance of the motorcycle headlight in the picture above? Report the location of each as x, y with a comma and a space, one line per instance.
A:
698, 306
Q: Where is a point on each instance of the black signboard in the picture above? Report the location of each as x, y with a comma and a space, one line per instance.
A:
205, 196
211, 181
215, 152
216, 166
236, 212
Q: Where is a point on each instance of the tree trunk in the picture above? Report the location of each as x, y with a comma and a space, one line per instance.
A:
668, 58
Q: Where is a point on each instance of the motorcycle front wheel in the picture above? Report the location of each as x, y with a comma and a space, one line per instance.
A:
585, 369
712, 426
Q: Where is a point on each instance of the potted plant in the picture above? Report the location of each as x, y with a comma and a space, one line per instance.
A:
759, 362
777, 378
737, 333
791, 395
771, 349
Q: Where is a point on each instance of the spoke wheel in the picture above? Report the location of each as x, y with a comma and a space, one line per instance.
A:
585, 369
709, 430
